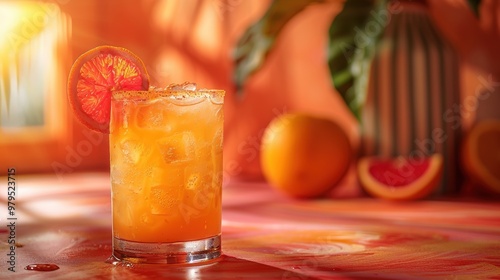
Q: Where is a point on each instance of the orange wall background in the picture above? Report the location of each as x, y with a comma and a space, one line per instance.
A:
192, 40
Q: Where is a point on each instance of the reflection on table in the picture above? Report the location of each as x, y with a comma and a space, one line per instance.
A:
265, 236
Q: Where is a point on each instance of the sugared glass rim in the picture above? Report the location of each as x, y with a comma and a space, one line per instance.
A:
172, 93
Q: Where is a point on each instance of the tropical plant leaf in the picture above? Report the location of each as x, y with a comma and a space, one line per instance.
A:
353, 38
258, 40
474, 4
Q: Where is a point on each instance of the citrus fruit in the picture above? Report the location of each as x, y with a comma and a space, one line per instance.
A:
304, 156
97, 73
481, 155
400, 178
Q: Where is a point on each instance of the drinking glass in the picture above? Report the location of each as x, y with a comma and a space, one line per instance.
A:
166, 174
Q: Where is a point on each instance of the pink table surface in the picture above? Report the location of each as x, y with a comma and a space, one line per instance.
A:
265, 236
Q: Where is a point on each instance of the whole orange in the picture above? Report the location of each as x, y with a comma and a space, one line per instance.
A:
304, 156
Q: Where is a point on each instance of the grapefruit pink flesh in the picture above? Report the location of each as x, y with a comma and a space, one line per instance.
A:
400, 178
93, 78
398, 173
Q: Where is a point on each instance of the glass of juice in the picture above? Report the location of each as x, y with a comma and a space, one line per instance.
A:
166, 174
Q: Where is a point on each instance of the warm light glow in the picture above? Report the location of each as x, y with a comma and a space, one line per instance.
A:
30, 34
21, 22
11, 16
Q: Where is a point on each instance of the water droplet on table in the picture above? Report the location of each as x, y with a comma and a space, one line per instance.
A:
117, 262
42, 267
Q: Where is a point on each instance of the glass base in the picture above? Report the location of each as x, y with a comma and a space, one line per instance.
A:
189, 252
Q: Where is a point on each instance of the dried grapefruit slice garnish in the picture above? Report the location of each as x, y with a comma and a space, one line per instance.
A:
400, 178
481, 155
95, 75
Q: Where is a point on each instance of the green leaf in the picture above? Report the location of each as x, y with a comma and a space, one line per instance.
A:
258, 40
475, 6
353, 39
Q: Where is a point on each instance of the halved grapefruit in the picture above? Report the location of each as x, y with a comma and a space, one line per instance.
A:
97, 73
400, 178
481, 155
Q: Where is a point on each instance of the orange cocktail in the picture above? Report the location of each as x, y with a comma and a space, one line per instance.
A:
166, 174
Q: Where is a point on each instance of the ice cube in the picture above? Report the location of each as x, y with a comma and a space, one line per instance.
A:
186, 100
117, 175
198, 178
217, 180
172, 176
131, 150
178, 148
128, 215
183, 86
164, 186
155, 177
216, 155
153, 115
198, 185
125, 121
218, 141
122, 208
133, 177
163, 199
217, 99
193, 181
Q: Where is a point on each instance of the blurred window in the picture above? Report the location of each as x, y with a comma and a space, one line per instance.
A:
33, 51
